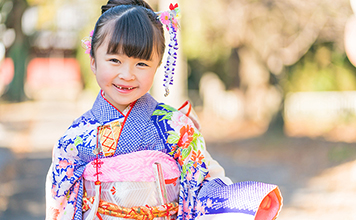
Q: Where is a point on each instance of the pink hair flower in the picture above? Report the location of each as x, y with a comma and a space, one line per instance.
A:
165, 18
86, 42
175, 24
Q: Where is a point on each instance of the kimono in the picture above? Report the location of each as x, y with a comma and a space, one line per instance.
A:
148, 126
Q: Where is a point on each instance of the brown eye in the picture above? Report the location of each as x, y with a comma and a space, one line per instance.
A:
115, 60
142, 64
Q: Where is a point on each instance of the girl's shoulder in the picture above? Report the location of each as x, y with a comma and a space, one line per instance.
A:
82, 125
184, 115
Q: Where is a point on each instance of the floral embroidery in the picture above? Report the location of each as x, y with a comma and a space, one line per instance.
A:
209, 203
54, 213
181, 139
78, 140
197, 157
64, 163
187, 147
69, 172
186, 136
179, 120
72, 150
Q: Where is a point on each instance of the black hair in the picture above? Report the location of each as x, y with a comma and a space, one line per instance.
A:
131, 27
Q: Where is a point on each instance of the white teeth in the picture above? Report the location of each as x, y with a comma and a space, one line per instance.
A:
131, 88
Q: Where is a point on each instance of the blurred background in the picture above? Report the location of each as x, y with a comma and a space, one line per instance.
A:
272, 82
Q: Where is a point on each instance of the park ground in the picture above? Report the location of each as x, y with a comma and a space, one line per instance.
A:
317, 178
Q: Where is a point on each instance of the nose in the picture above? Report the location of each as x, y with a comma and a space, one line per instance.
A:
126, 73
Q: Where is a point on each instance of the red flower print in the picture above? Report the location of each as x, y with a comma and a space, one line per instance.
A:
178, 156
197, 157
113, 190
185, 206
174, 149
200, 207
54, 213
186, 136
69, 172
209, 203
177, 153
64, 163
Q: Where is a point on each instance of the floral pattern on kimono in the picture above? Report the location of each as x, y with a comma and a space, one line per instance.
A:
187, 147
148, 126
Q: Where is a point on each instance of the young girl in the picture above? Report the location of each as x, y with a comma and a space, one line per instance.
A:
132, 157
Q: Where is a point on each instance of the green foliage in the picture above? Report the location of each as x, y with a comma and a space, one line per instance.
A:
341, 153
78, 140
173, 137
186, 152
167, 115
321, 69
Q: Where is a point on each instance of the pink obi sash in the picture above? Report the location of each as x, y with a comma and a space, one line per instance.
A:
133, 167
129, 181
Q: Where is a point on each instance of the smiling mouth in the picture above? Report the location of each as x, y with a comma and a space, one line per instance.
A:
124, 88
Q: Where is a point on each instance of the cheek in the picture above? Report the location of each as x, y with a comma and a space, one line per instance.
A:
103, 78
149, 79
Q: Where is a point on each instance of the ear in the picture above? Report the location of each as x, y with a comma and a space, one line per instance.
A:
93, 65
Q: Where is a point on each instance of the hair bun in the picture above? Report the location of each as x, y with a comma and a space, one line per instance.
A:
113, 3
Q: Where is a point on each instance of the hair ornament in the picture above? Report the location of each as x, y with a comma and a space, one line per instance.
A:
170, 20
86, 42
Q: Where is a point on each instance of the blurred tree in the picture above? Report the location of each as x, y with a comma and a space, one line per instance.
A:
59, 26
18, 52
269, 36
321, 69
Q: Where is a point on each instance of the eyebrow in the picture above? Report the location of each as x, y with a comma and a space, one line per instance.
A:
122, 54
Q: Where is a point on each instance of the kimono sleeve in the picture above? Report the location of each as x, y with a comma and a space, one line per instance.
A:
64, 183
204, 190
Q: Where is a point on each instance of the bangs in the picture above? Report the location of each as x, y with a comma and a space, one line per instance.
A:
133, 35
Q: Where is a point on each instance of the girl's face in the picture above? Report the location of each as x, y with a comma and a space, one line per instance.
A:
123, 79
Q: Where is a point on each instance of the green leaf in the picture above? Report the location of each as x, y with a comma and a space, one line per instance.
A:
196, 135
204, 172
184, 169
200, 177
186, 152
173, 137
169, 108
194, 144
167, 116
159, 112
78, 140
172, 132
190, 163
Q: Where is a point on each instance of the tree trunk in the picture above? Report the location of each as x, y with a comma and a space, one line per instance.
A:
18, 52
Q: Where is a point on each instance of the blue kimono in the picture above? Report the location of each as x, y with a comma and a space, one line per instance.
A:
149, 125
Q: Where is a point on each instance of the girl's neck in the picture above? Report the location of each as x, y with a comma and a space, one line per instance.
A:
122, 109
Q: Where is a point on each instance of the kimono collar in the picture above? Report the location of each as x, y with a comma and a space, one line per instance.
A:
105, 112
